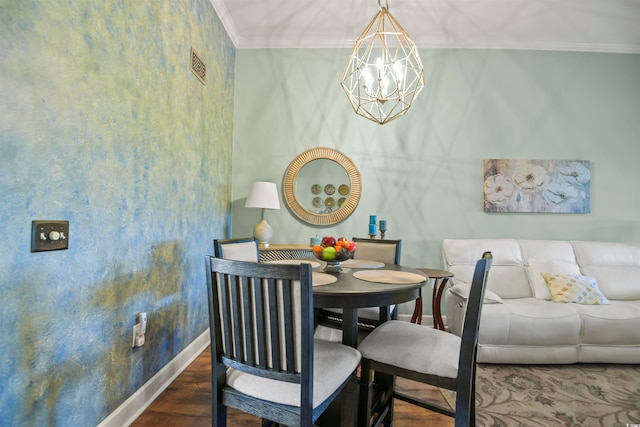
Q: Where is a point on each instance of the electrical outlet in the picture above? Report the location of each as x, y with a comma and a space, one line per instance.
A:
135, 334
139, 330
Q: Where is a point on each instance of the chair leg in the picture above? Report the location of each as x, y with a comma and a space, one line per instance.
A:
365, 398
472, 404
386, 384
219, 416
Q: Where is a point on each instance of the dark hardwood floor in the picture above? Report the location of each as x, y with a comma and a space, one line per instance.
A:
187, 403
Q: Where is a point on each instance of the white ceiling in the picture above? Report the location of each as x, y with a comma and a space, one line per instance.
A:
568, 25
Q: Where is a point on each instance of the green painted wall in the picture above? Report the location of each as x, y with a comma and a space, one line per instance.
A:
423, 173
103, 124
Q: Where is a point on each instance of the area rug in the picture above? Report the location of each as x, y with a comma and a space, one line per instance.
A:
580, 395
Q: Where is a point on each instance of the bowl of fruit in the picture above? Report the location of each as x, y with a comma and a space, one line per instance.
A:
332, 251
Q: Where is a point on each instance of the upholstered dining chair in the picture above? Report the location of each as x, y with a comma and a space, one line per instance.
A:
238, 249
380, 250
264, 360
430, 356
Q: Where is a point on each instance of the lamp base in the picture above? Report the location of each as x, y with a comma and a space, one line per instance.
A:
263, 232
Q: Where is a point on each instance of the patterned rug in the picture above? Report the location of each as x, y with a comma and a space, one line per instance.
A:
578, 395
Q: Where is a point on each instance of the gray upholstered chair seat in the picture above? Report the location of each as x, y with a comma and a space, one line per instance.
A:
332, 365
414, 347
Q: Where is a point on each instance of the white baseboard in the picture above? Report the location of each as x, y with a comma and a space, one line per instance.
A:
135, 405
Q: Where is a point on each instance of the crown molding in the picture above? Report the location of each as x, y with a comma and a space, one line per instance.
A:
326, 43
227, 22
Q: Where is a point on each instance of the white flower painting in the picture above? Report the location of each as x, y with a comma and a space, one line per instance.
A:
560, 186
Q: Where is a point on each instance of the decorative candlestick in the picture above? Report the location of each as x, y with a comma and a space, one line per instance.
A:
383, 228
372, 231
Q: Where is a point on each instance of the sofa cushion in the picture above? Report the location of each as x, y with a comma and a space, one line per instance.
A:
530, 322
616, 324
615, 266
574, 288
547, 250
536, 268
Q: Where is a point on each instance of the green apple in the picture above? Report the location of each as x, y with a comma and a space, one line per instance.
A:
329, 253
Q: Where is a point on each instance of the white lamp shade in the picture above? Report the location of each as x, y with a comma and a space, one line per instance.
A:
263, 195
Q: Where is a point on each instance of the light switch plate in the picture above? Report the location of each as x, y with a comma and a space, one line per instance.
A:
49, 235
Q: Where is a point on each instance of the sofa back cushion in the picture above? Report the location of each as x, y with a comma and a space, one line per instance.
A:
507, 278
547, 250
615, 266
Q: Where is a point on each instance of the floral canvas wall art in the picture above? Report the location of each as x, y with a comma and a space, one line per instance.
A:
558, 186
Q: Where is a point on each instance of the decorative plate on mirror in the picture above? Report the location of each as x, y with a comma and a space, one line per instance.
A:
316, 188
329, 189
341, 201
329, 202
343, 190
317, 202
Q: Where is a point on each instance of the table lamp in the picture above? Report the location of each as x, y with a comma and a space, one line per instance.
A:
263, 195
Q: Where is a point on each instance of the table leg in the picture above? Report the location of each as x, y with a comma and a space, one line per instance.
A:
350, 327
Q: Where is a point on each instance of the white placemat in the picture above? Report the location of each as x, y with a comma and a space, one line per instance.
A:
389, 276
322, 279
314, 264
361, 263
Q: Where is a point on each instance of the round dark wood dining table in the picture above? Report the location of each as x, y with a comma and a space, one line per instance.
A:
350, 293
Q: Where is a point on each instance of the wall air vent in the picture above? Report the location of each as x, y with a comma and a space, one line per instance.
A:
197, 66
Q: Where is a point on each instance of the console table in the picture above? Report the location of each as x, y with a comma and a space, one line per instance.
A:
276, 252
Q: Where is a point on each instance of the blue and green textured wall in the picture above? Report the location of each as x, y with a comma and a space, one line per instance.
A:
103, 124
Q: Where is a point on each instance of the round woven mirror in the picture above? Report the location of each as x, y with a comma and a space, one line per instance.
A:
322, 186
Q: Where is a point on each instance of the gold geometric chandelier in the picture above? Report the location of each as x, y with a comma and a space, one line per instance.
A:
384, 74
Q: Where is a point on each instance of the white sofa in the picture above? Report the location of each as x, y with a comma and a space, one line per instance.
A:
522, 324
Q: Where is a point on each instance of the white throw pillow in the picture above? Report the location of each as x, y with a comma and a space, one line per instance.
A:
491, 297
462, 290
574, 288
536, 268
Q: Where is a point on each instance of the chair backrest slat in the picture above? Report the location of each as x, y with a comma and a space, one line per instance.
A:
288, 325
244, 302
275, 338
258, 329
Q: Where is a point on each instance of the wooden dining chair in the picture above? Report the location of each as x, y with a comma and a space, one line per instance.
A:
386, 251
426, 355
264, 360
238, 249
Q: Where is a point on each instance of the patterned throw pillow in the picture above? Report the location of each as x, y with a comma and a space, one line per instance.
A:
574, 288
